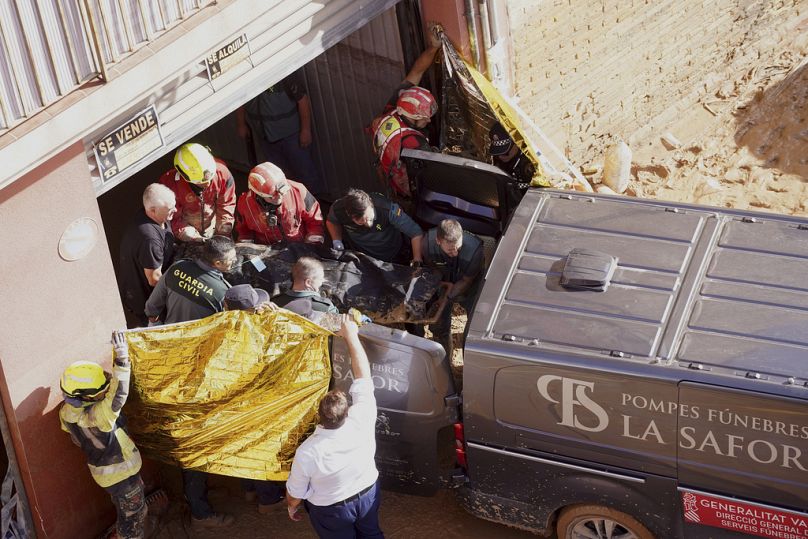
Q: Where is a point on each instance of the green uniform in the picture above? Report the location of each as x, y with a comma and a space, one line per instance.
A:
467, 263
383, 239
188, 290
318, 302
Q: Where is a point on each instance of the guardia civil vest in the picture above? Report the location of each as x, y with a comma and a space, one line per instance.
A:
205, 289
275, 113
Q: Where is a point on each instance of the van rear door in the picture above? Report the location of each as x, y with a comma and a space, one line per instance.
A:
417, 406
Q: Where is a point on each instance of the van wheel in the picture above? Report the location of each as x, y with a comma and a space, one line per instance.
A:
599, 522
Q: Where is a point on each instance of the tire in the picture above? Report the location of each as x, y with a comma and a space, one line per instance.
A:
598, 521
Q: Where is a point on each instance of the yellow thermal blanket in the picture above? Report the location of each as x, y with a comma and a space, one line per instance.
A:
233, 394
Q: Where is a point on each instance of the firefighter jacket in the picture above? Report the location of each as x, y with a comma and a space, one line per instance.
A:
390, 135
208, 210
296, 219
98, 428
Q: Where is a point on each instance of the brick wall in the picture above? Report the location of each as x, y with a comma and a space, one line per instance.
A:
588, 70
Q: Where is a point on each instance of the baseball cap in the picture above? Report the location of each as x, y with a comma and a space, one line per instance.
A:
500, 141
244, 297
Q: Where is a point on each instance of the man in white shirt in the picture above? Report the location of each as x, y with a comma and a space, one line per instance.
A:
334, 469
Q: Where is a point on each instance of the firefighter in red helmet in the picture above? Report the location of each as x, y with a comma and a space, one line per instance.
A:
407, 112
276, 209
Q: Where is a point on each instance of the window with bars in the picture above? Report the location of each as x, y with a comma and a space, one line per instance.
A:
50, 47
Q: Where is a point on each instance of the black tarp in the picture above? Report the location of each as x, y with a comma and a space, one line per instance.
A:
387, 293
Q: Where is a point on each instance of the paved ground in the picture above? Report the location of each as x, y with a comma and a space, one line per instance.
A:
402, 517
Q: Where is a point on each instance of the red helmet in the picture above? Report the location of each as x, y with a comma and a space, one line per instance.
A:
416, 103
265, 179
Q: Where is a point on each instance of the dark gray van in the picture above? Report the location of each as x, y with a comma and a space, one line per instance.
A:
657, 389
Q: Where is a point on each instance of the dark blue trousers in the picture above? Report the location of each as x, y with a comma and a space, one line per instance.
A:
195, 487
357, 518
268, 492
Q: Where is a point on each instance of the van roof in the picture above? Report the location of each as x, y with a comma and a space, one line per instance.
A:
700, 285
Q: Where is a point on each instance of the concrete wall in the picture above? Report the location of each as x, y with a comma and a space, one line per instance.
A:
54, 312
588, 69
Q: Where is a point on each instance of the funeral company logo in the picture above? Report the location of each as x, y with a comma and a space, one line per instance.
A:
573, 396
741, 433
692, 426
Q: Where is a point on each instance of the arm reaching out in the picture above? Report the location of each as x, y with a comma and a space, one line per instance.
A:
359, 359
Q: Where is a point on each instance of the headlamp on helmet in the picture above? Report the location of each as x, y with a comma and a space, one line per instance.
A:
267, 180
195, 163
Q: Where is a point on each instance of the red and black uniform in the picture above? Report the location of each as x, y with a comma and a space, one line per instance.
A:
207, 209
296, 218
391, 134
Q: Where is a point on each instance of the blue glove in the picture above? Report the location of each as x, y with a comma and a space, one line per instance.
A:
337, 244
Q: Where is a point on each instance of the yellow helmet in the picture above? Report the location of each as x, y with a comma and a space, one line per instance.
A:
84, 379
195, 163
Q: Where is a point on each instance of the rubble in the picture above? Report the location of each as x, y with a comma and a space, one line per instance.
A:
617, 167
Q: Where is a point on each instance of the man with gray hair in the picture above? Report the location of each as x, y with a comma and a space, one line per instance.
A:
147, 248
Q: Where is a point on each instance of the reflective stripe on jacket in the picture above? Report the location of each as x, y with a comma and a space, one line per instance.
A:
299, 214
390, 135
209, 212
98, 428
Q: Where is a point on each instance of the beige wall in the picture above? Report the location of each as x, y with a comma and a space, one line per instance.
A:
53, 312
590, 69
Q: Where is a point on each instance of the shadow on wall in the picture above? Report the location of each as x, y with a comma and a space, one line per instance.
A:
35, 426
774, 125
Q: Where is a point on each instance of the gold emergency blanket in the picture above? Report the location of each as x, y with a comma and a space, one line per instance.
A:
470, 106
233, 394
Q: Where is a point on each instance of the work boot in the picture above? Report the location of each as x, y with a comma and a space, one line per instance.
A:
216, 520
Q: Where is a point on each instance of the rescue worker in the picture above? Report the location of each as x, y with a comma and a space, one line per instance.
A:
147, 249
205, 191
194, 289
334, 472
458, 255
243, 297
280, 121
374, 225
277, 210
190, 290
91, 414
308, 276
406, 113
509, 158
